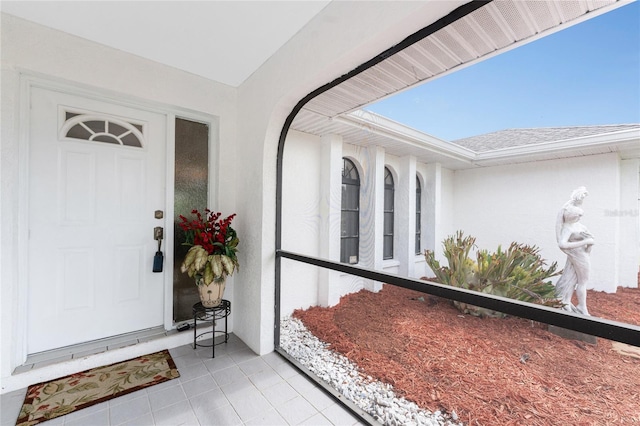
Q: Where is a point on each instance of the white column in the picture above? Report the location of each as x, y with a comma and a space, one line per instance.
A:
431, 210
405, 216
372, 213
628, 249
330, 214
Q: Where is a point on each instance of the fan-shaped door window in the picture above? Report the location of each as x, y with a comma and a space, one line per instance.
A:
96, 128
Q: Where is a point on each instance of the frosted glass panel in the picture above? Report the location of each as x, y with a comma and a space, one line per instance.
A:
191, 189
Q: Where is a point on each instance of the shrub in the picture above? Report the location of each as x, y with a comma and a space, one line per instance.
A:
517, 273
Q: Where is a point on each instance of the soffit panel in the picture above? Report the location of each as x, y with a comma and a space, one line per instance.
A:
317, 124
625, 149
496, 26
545, 156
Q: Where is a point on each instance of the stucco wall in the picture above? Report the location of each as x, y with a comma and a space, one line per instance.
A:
302, 222
629, 226
343, 36
438, 204
311, 216
497, 205
311, 210
33, 49
340, 38
365, 160
520, 202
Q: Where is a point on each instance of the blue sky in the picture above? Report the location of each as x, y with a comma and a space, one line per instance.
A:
587, 74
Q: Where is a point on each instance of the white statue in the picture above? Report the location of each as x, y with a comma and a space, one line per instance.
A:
575, 240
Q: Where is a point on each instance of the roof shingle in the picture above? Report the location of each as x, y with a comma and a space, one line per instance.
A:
518, 137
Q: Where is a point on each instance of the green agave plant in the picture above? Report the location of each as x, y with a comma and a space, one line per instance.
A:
517, 273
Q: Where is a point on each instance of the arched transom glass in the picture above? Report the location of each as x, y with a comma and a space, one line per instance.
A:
96, 128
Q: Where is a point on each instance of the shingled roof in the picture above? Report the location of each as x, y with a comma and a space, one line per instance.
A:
518, 137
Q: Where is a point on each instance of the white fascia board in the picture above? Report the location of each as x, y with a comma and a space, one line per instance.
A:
607, 139
383, 126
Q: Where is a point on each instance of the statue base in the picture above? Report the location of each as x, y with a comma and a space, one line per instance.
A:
573, 335
624, 349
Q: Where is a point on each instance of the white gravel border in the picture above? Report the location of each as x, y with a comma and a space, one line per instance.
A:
376, 398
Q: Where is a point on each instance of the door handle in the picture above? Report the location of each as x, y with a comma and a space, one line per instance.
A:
158, 259
158, 233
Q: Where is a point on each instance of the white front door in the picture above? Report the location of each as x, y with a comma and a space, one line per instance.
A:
96, 177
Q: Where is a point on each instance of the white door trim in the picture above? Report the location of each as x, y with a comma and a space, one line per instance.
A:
28, 80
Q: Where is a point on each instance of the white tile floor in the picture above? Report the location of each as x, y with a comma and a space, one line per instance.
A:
237, 387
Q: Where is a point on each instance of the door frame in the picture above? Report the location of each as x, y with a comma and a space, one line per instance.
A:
29, 80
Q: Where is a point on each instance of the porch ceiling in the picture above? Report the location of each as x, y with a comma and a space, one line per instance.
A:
492, 29
200, 37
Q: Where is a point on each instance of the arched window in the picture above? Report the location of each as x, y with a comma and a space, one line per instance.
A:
97, 128
387, 246
350, 227
418, 214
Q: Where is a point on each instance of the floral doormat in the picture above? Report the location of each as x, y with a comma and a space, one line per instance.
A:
48, 400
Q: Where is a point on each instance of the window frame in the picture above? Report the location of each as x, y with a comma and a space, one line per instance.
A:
131, 134
350, 181
418, 209
388, 212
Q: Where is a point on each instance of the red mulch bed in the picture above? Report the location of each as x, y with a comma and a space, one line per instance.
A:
490, 371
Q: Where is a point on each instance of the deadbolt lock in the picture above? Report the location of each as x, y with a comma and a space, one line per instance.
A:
158, 233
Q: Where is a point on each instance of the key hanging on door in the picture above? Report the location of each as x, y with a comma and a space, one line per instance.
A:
158, 259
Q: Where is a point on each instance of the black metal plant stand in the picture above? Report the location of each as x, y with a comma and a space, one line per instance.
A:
203, 314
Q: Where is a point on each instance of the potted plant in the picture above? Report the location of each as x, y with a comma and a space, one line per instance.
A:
213, 253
